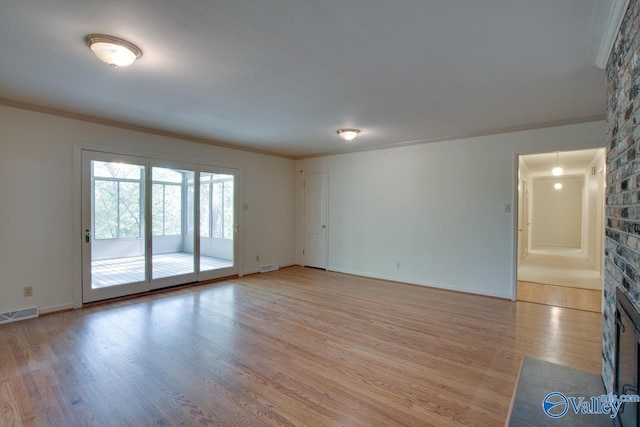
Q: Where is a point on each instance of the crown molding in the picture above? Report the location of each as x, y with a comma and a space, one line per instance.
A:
616, 15
128, 126
137, 128
496, 131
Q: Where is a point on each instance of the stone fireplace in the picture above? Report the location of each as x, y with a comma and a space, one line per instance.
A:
621, 292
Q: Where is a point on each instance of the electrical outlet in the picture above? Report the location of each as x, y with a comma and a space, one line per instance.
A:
398, 266
257, 257
28, 291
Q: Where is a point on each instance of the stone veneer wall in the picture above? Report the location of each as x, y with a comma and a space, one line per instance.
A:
622, 255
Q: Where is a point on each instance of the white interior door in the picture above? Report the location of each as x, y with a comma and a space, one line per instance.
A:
114, 230
527, 220
523, 229
315, 219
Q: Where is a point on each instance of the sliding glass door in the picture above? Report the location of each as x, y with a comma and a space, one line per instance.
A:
218, 223
113, 225
172, 243
149, 224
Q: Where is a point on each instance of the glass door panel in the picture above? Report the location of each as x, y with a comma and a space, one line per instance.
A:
218, 220
114, 250
172, 219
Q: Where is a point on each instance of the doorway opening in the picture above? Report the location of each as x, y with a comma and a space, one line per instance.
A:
561, 228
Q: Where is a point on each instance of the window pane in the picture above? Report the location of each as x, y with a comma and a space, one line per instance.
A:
228, 210
105, 209
129, 207
216, 209
116, 170
157, 213
190, 200
205, 177
204, 210
166, 175
172, 210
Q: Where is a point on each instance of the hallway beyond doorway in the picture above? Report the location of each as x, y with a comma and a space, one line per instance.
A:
561, 228
561, 267
562, 277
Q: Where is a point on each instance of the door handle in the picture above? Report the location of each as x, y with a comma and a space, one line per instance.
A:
519, 229
87, 235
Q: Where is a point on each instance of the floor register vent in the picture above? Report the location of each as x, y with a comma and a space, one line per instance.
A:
14, 316
267, 268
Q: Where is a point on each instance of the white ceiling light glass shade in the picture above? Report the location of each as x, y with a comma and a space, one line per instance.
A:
557, 186
112, 50
348, 134
557, 171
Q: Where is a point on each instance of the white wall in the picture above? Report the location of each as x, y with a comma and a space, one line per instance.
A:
594, 211
556, 218
37, 203
436, 208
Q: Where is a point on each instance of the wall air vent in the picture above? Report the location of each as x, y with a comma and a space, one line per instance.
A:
14, 316
267, 268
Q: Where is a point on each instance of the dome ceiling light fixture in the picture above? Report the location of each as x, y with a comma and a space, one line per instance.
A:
557, 171
113, 50
557, 186
348, 134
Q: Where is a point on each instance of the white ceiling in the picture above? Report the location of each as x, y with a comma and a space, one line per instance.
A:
283, 75
572, 162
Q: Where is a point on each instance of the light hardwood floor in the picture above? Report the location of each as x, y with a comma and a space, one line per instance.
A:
292, 347
561, 296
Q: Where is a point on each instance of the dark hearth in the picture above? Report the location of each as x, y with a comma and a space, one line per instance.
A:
626, 367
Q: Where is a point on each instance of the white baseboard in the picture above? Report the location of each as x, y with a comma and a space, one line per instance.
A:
54, 308
423, 283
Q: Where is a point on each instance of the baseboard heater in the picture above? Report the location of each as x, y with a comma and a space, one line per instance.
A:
267, 268
14, 316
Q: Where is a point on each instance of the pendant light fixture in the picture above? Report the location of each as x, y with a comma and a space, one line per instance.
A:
557, 171
348, 134
113, 50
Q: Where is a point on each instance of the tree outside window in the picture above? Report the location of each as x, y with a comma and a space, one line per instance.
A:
216, 205
117, 202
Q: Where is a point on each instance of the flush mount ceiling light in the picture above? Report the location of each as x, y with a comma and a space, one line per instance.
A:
557, 186
112, 50
348, 134
557, 171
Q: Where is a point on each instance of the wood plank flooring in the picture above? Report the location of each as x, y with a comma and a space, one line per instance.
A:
561, 296
292, 347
